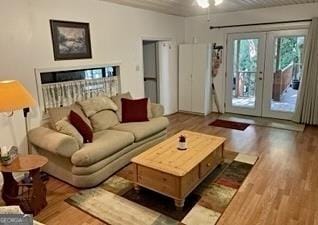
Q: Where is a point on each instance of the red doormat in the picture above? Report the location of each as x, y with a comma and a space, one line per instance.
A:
229, 124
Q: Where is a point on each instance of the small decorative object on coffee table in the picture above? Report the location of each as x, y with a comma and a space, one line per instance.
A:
168, 171
30, 197
182, 145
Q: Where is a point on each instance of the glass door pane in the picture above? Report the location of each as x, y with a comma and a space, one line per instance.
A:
287, 67
245, 60
245, 66
283, 72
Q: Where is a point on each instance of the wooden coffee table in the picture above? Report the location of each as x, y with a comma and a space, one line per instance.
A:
30, 197
174, 173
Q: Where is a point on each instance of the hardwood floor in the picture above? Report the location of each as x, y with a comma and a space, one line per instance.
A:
282, 189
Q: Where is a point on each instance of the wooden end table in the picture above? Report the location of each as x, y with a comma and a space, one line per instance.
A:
174, 173
30, 197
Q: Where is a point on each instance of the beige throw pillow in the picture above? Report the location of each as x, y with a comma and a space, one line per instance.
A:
95, 105
57, 114
104, 120
149, 112
117, 100
65, 127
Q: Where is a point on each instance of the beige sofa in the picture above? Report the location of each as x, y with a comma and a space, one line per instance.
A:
111, 150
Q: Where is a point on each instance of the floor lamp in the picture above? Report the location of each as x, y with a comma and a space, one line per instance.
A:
13, 97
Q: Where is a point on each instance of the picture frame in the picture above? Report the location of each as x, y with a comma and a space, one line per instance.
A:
71, 40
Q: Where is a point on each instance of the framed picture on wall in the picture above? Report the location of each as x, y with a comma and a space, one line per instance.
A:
71, 40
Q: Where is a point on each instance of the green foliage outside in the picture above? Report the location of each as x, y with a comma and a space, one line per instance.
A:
247, 55
289, 51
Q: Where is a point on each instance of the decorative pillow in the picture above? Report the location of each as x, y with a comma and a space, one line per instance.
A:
117, 100
134, 110
95, 105
104, 120
65, 127
81, 127
57, 114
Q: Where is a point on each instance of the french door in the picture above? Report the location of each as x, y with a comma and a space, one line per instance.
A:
245, 68
264, 72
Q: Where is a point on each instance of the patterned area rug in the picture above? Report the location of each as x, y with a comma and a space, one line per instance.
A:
230, 124
115, 202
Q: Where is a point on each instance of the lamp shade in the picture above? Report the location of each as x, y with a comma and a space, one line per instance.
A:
13, 96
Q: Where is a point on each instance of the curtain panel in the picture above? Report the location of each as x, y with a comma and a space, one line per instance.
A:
307, 104
67, 93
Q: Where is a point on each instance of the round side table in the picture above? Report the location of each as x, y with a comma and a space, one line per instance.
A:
30, 197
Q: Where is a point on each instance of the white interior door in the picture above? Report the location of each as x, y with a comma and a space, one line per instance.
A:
185, 74
245, 68
200, 62
168, 75
283, 72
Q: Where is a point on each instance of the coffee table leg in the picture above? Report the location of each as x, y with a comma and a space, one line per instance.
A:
179, 203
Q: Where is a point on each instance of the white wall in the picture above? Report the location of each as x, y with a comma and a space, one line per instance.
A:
197, 28
116, 33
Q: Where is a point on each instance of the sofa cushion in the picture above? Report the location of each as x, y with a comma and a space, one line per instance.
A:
117, 100
157, 110
141, 146
59, 113
104, 120
105, 143
142, 130
53, 141
97, 104
65, 127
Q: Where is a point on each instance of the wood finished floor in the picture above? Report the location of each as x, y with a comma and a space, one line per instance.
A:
282, 189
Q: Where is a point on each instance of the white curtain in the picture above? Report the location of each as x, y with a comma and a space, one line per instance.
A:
66, 93
307, 104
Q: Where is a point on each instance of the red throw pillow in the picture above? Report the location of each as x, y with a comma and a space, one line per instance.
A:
134, 110
81, 126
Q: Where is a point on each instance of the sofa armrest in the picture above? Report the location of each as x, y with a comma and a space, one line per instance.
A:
53, 141
157, 110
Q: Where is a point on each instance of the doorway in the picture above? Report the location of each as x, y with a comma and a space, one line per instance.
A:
264, 72
160, 73
151, 70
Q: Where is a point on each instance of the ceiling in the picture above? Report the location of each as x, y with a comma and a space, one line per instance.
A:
190, 8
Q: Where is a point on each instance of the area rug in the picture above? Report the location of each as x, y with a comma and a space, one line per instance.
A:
264, 122
115, 202
230, 124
